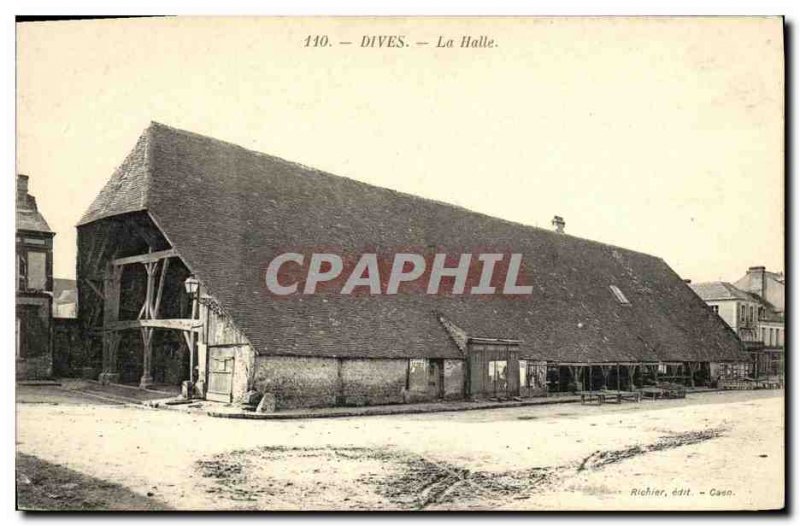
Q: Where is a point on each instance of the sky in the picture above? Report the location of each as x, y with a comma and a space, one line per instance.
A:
661, 135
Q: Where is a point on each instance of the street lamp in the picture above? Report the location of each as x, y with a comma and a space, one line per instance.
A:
192, 286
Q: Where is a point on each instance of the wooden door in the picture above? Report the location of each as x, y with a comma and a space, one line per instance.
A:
436, 378
221, 363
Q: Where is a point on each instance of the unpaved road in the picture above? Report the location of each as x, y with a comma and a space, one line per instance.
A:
710, 451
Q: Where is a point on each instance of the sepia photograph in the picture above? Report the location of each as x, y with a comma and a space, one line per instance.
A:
296, 263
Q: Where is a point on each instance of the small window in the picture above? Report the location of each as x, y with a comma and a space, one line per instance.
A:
619, 295
715, 309
497, 370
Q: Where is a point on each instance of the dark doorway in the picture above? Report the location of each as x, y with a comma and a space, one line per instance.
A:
436, 378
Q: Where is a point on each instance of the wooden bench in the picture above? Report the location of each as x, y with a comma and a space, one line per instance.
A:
633, 396
769, 382
652, 392
736, 383
671, 390
608, 396
591, 396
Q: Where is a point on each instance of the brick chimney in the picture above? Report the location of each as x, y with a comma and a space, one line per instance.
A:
559, 224
758, 280
22, 191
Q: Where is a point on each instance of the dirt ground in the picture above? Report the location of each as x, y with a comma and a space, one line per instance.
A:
709, 451
45, 486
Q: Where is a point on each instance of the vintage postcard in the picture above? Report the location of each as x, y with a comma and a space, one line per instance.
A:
331, 263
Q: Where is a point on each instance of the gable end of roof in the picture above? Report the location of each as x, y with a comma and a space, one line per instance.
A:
127, 189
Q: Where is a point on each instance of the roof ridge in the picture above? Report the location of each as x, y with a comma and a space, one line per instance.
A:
148, 164
155, 124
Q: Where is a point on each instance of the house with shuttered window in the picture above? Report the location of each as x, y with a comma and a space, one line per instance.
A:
34, 287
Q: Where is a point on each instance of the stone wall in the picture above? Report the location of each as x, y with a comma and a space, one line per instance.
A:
70, 351
35, 367
297, 382
373, 381
243, 372
326, 382
33, 338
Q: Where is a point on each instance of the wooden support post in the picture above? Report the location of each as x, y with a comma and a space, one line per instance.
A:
192, 336
147, 358
693, 367
189, 386
157, 303
202, 349
111, 288
189, 337
148, 301
618, 377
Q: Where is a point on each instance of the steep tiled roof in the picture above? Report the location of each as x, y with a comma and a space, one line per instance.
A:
125, 191
228, 211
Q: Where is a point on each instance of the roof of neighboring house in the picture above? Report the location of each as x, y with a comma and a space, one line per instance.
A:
721, 291
777, 276
65, 291
32, 221
228, 211
28, 216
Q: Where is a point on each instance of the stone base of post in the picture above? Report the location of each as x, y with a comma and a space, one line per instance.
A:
145, 381
187, 390
108, 378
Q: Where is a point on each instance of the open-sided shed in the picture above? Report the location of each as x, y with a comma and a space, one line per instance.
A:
184, 205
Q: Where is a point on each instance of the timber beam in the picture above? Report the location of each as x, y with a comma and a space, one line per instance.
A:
177, 324
145, 258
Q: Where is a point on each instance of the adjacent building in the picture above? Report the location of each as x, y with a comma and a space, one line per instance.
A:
171, 269
65, 298
769, 286
757, 322
34, 287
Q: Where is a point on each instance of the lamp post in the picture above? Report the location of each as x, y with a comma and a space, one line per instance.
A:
192, 286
